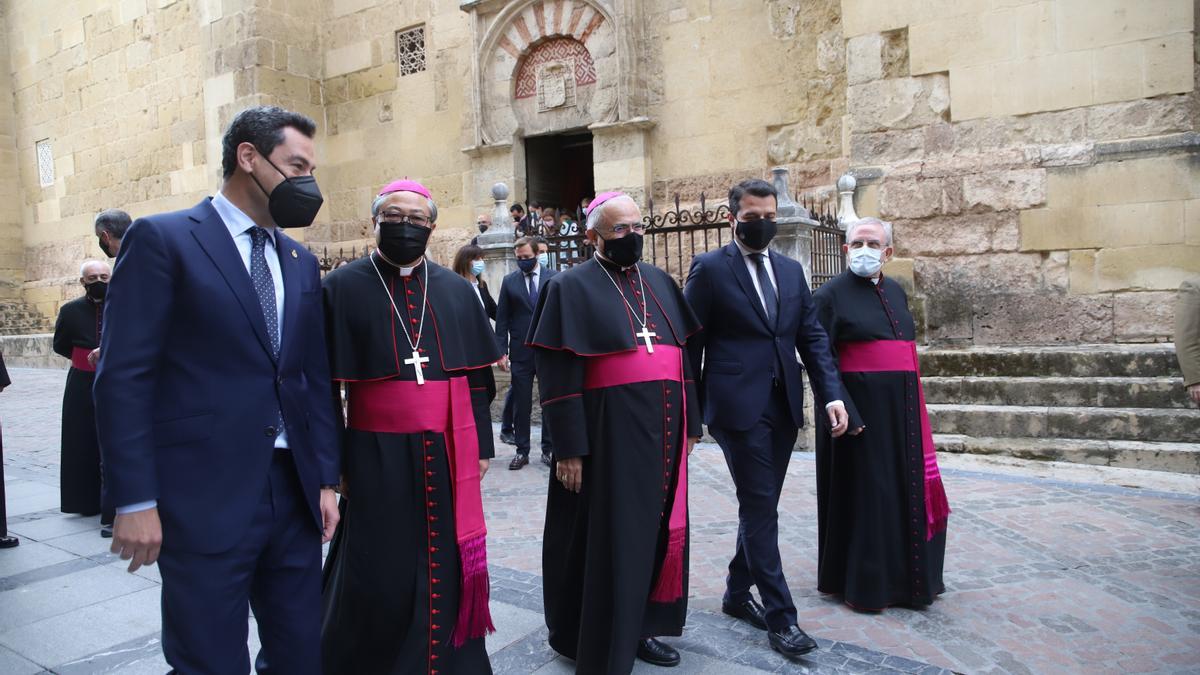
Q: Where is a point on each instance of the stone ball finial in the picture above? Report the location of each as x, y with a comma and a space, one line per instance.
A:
846, 183
499, 192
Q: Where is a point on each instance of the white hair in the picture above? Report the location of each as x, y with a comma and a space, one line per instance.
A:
596, 215
855, 224
86, 263
378, 203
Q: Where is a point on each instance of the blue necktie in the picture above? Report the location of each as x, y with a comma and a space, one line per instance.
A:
533, 291
770, 299
264, 284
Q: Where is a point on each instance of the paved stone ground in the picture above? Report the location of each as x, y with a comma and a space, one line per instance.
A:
1049, 569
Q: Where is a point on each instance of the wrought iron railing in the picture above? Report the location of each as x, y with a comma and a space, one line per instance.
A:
827, 260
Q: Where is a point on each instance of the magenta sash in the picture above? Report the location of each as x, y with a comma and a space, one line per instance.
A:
402, 407
79, 359
877, 356
665, 364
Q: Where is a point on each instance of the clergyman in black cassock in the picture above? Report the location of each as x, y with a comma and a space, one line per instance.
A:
405, 589
881, 506
5, 540
614, 553
76, 334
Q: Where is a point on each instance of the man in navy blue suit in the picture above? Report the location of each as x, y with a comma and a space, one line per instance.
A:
514, 309
213, 408
757, 312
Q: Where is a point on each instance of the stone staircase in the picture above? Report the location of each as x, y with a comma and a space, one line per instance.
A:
1112, 405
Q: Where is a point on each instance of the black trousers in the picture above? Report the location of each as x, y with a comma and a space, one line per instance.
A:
506, 416
758, 460
523, 373
275, 569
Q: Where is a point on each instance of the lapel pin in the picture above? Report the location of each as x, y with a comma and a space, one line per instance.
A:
294, 254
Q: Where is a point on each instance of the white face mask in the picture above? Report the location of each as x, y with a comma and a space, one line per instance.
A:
865, 261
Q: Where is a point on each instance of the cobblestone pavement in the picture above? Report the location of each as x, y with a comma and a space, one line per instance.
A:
1049, 569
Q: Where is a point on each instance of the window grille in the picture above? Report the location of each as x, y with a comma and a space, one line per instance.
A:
410, 50
45, 163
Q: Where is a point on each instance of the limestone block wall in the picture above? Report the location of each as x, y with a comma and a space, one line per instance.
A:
1039, 160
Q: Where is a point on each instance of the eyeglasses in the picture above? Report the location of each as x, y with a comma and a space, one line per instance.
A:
399, 218
622, 228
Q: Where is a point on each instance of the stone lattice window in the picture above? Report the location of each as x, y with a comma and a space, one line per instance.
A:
410, 50
45, 163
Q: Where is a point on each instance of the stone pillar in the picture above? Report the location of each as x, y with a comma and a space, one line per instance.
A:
621, 157
497, 242
846, 213
795, 226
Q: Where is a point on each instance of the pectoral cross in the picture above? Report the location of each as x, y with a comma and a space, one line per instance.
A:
416, 362
645, 335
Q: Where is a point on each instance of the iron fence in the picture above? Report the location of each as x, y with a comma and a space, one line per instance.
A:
826, 259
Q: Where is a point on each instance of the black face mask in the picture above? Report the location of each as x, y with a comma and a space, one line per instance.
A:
104, 247
483, 228
402, 242
757, 234
527, 265
295, 201
625, 251
96, 290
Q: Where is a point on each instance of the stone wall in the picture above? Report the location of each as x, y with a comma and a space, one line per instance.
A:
1039, 160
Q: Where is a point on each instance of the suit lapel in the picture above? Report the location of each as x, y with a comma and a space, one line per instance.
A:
783, 279
212, 235
733, 256
289, 266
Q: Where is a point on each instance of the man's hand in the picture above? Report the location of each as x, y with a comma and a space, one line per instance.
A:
570, 473
1194, 392
93, 357
137, 537
503, 363
692, 444
838, 419
855, 432
329, 514
483, 467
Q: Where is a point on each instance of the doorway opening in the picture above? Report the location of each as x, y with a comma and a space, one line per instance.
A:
558, 170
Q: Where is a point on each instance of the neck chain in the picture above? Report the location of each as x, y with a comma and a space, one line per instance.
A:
641, 282
424, 301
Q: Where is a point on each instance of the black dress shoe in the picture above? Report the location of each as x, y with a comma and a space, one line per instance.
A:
547, 459
791, 641
508, 438
106, 531
657, 653
749, 611
518, 462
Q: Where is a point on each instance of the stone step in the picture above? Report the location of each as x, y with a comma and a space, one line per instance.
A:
1152, 360
1100, 392
1154, 456
1133, 424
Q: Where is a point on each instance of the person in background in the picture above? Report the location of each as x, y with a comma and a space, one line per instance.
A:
110, 226
1187, 336
482, 222
469, 264
77, 337
5, 540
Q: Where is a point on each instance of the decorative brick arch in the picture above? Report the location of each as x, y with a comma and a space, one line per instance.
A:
524, 37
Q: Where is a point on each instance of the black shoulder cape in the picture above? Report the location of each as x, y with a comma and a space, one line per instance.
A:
356, 304
576, 308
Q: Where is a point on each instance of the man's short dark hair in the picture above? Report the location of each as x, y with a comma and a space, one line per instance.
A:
114, 222
755, 186
263, 126
539, 240
525, 241
516, 207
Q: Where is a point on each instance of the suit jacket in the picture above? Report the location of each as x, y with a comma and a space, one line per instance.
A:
738, 353
514, 312
188, 394
489, 303
1187, 331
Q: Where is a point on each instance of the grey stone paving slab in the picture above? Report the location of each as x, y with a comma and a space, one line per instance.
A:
140, 656
56, 526
12, 663
71, 566
512, 623
62, 594
89, 630
145, 571
88, 544
17, 506
30, 555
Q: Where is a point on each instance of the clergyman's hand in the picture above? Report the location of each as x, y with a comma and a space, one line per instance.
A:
503, 363
570, 472
1194, 393
93, 357
137, 537
838, 419
483, 467
329, 514
856, 431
